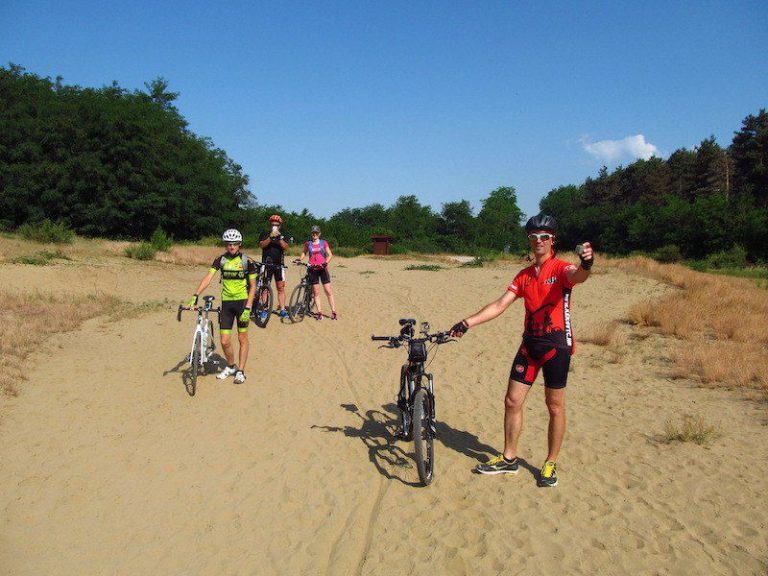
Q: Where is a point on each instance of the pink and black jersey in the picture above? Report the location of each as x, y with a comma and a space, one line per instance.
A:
547, 297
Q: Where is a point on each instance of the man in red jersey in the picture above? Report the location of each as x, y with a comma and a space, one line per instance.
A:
545, 287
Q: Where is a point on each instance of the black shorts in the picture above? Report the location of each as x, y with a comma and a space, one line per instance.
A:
277, 273
230, 312
320, 275
553, 362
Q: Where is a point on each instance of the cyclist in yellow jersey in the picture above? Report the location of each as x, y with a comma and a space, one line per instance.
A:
238, 289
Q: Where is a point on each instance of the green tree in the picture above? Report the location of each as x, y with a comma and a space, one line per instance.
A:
499, 221
749, 151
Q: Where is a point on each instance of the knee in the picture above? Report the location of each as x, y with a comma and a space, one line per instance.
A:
556, 408
512, 404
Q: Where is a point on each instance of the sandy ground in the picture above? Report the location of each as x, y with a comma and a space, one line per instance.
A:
108, 466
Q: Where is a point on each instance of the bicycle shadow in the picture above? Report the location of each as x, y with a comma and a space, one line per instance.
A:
378, 431
214, 365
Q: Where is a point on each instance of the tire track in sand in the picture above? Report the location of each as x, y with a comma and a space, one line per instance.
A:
342, 540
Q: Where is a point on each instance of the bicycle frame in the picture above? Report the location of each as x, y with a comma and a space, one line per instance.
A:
416, 398
203, 327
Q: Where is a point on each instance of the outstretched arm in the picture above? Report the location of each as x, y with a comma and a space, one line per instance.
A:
486, 313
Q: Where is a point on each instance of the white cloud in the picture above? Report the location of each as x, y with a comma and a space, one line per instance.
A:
611, 151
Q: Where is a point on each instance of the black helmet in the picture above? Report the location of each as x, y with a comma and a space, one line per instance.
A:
541, 222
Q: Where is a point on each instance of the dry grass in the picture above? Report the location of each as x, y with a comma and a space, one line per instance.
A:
603, 334
28, 319
690, 429
720, 320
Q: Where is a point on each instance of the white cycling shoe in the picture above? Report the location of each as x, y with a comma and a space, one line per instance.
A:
226, 373
239, 377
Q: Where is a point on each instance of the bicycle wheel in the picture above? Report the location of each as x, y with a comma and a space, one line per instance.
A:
296, 305
422, 436
262, 306
195, 361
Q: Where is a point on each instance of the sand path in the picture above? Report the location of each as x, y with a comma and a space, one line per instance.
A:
107, 466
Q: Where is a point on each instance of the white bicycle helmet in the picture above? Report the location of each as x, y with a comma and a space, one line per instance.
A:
232, 235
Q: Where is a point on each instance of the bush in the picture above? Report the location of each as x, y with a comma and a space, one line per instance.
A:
160, 241
46, 232
476, 262
141, 251
425, 267
667, 254
42, 259
736, 257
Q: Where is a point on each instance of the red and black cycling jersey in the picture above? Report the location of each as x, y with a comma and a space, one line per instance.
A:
547, 297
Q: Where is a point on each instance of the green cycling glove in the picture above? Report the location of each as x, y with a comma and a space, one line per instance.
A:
245, 316
192, 301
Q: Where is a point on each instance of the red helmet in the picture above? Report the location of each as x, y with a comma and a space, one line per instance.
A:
276, 218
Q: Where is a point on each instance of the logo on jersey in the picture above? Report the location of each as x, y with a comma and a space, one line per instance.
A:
551, 280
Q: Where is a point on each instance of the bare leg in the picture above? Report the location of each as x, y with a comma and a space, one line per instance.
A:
226, 345
243, 338
316, 294
280, 293
555, 398
329, 294
513, 416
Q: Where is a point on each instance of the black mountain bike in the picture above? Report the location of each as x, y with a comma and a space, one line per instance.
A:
262, 303
302, 302
416, 398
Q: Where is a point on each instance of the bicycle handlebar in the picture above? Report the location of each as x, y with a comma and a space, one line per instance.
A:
437, 338
193, 308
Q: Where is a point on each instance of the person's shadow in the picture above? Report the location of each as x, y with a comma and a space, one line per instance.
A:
379, 429
214, 365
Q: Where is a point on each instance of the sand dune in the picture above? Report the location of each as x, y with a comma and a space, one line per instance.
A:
107, 466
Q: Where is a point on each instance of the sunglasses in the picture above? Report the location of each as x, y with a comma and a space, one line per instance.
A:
543, 236
231, 243
316, 233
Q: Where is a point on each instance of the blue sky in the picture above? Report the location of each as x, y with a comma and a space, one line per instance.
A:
328, 105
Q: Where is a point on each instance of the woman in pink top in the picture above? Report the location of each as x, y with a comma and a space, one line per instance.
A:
320, 255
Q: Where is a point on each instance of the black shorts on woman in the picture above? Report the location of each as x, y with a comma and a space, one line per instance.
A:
319, 275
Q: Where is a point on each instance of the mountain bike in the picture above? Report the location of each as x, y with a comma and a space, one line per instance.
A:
262, 303
416, 397
302, 302
203, 345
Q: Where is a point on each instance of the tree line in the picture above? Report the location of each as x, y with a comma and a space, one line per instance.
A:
694, 204
108, 162
114, 163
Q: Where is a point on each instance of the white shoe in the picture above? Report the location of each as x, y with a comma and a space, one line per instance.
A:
239, 377
226, 373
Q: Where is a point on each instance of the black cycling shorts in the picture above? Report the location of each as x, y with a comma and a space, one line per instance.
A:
230, 312
319, 275
553, 362
277, 273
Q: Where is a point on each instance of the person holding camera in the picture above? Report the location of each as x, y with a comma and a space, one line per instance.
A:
545, 288
273, 247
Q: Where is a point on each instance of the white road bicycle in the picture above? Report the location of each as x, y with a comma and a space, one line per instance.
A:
203, 344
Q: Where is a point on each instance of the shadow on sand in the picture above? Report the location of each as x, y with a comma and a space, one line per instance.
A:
378, 431
214, 365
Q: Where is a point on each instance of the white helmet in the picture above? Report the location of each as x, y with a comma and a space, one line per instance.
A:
232, 235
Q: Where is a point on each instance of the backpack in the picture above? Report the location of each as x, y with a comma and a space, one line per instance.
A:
323, 252
243, 259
